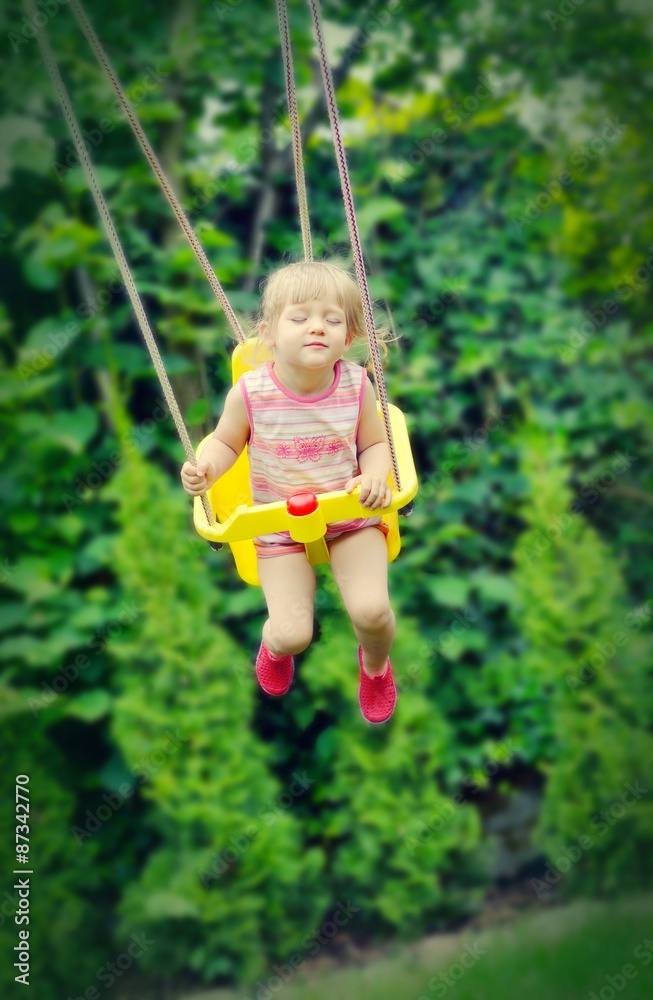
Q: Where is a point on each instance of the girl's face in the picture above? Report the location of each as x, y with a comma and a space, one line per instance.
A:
311, 334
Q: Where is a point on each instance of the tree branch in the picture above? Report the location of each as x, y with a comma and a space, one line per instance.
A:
632, 493
266, 205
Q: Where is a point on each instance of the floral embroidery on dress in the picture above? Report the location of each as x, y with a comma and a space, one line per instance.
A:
309, 449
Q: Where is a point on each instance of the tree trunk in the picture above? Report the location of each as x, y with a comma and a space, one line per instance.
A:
187, 386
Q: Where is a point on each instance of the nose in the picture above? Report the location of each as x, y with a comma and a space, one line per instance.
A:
316, 326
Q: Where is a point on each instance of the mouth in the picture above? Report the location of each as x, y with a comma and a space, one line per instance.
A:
315, 344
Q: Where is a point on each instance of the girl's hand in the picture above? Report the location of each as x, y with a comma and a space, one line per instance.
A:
373, 492
196, 480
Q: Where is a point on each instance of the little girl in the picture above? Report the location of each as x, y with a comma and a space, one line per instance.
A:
310, 422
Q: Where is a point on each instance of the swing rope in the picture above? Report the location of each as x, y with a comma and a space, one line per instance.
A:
121, 260
301, 188
354, 237
175, 204
282, 14
183, 220
286, 51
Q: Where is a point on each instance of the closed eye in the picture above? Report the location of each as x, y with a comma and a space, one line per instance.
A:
297, 319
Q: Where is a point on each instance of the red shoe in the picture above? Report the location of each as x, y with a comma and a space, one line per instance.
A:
377, 696
274, 673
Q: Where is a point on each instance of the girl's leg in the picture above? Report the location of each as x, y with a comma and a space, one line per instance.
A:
359, 560
288, 583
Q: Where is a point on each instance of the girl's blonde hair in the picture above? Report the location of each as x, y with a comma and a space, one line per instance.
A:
306, 280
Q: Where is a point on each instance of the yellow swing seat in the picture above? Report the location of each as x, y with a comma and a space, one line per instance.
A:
238, 521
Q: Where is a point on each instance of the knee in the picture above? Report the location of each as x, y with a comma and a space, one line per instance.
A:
373, 616
291, 637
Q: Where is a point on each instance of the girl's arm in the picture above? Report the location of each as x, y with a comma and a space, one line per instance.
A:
373, 456
221, 451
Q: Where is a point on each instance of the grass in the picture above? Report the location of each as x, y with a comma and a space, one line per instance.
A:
561, 953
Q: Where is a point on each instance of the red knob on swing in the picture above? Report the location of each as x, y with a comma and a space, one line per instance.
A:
301, 503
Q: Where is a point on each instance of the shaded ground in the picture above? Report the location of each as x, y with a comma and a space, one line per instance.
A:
586, 950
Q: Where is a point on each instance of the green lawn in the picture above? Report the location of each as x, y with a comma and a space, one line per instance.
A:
560, 953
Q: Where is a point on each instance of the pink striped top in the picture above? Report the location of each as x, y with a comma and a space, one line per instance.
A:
303, 442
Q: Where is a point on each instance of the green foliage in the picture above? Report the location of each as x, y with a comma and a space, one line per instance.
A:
63, 880
379, 791
127, 645
180, 674
587, 653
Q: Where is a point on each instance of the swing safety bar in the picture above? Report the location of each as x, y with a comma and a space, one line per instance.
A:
237, 519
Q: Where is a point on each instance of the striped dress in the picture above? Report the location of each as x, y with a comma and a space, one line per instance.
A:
302, 443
